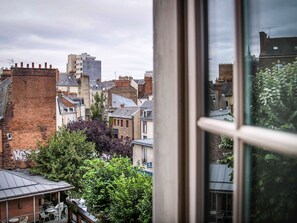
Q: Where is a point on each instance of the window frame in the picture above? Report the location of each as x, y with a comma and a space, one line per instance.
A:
180, 118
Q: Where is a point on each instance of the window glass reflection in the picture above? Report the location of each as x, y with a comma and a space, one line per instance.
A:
271, 187
220, 190
221, 50
271, 64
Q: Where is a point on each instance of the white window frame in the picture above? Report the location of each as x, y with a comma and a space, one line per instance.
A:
180, 120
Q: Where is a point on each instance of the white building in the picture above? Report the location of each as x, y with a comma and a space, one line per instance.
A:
143, 153
146, 120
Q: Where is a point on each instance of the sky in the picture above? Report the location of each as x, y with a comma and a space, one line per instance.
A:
117, 32
271, 16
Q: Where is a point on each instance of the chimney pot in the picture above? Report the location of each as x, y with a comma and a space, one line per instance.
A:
39, 66
21, 64
32, 65
27, 65
50, 66
16, 65
45, 65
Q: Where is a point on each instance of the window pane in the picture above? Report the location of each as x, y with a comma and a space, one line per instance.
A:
221, 52
271, 186
271, 65
220, 191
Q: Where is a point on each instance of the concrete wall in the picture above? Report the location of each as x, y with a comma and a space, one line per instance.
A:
138, 154
150, 130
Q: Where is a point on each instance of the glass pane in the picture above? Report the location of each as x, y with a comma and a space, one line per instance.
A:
220, 172
221, 51
271, 65
271, 187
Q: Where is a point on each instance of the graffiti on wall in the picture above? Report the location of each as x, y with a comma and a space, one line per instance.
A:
20, 154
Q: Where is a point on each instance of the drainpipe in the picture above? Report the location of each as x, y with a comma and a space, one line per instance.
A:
59, 209
6, 211
34, 210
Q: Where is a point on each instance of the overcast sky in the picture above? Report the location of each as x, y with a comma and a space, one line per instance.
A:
117, 32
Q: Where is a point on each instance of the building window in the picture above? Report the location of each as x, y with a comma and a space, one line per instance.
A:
9, 136
144, 127
262, 141
118, 122
127, 124
114, 122
122, 137
144, 155
122, 123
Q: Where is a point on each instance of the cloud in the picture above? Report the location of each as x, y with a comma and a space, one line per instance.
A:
119, 33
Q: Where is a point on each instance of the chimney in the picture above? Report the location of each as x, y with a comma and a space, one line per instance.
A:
45, 65
51, 66
21, 64
32, 65
27, 65
122, 105
39, 66
16, 65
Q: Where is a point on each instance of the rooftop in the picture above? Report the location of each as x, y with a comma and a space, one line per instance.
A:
20, 183
144, 142
66, 79
3, 96
124, 112
118, 100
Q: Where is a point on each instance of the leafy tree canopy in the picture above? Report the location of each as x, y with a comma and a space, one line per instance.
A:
97, 109
62, 155
100, 134
116, 191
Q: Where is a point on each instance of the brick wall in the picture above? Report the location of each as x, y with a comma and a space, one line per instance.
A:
226, 72
125, 91
30, 114
148, 89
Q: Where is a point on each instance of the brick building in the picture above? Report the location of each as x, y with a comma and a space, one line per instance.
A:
276, 51
123, 88
29, 113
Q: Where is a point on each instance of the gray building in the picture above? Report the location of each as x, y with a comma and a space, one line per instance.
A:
87, 65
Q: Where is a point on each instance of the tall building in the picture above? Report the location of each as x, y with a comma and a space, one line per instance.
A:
85, 64
28, 112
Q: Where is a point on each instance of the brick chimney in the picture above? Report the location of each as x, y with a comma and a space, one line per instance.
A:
148, 88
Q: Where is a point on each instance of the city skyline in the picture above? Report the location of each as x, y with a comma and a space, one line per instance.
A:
120, 35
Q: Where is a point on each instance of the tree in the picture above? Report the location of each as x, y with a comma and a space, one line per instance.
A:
273, 180
61, 157
99, 133
97, 109
115, 190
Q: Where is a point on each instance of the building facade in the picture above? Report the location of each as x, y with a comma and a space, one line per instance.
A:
29, 113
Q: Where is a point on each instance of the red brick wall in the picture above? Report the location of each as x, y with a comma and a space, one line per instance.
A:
14, 210
148, 89
128, 92
226, 72
32, 115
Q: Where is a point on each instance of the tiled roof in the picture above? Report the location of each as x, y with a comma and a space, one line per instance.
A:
3, 96
219, 179
105, 85
139, 81
20, 183
147, 105
124, 112
66, 79
222, 114
118, 100
144, 142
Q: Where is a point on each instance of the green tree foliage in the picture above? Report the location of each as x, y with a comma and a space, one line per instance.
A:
61, 157
97, 109
116, 191
273, 176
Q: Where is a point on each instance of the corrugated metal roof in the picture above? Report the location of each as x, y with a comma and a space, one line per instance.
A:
20, 183
220, 178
